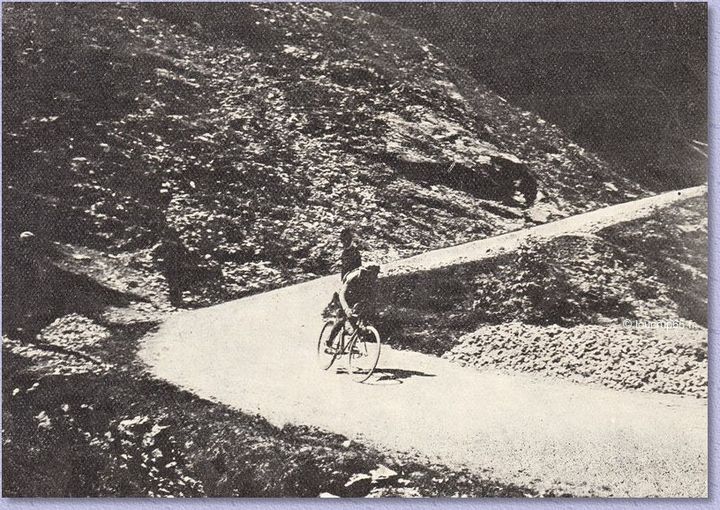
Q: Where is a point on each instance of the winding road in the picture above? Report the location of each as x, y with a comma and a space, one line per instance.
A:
257, 354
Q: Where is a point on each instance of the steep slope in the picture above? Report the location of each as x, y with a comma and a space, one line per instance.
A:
626, 80
256, 132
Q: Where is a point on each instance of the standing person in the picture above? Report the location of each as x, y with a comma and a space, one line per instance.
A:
350, 258
171, 255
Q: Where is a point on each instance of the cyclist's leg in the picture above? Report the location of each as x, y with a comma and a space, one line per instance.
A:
334, 333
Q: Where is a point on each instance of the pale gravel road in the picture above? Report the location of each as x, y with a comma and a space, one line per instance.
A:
257, 354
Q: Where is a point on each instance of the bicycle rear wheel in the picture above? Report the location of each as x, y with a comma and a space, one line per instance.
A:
328, 344
364, 354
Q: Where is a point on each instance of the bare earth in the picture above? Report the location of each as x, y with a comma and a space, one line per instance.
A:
258, 354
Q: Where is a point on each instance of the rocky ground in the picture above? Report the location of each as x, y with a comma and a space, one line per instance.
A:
626, 308
617, 357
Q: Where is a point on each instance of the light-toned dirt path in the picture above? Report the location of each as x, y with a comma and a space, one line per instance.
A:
258, 354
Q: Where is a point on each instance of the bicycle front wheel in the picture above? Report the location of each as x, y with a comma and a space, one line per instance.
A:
364, 354
328, 344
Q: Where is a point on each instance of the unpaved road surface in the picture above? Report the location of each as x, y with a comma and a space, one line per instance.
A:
258, 354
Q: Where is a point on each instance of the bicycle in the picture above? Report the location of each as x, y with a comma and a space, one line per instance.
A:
360, 342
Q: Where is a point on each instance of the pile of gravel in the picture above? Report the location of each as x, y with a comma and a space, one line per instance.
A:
616, 357
65, 347
74, 332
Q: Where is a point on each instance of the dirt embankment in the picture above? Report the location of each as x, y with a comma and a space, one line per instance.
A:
626, 308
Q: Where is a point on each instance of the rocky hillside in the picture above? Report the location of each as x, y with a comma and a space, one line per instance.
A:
256, 132
626, 80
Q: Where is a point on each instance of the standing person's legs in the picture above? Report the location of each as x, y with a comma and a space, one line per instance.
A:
173, 281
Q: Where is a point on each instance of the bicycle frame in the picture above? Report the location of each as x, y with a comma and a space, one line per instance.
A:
345, 344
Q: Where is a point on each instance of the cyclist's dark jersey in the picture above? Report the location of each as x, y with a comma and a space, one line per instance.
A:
350, 260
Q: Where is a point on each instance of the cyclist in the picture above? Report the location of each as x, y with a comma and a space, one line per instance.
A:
357, 297
349, 260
